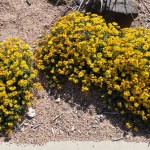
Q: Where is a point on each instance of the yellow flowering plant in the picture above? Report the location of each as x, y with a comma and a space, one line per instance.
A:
128, 74
17, 76
86, 50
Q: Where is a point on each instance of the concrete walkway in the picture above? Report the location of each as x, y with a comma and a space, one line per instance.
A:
105, 145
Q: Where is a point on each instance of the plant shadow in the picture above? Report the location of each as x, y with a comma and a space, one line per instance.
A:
71, 93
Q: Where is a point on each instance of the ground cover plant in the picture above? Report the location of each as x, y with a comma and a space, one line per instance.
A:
17, 77
86, 50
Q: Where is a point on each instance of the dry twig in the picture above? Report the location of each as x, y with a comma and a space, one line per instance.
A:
57, 117
118, 139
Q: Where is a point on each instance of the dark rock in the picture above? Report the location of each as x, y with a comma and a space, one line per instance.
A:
122, 6
121, 11
117, 6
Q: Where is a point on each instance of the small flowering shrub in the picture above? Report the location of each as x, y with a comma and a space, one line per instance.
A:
85, 50
128, 73
16, 80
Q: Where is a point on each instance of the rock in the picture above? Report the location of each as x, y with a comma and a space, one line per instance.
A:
40, 35
26, 124
31, 112
121, 11
122, 6
93, 126
53, 131
78, 1
57, 100
22, 130
117, 6
72, 128
78, 131
100, 117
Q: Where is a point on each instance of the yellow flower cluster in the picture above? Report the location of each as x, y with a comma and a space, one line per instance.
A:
86, 50
16, 78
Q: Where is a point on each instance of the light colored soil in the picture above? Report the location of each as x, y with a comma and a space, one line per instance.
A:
66, 119
143, 18
19, 19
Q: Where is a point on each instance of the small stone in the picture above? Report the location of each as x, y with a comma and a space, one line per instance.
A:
26, 124
22, 129
78, 1
31, 112
57, 100
93, 126
34, 46
127, 136
101, 117
53, 131
49, 92
72, 128
79, 131
40, 35
122, 6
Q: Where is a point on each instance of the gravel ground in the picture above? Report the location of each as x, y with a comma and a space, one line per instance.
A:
143, 18
75, 116
19, 19
62, 121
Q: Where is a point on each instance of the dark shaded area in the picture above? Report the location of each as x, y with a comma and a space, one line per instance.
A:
57, 2
71, 93
124, 21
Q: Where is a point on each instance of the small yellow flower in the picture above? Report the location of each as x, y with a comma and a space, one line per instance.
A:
23, 82
109, 92
81, 74
128, 126
132, 99
119, 104
9, 131
95, 69
84, 88
50, 42
136, 105
10, 124
144, 118
135, 129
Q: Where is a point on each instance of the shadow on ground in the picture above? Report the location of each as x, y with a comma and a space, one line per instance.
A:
71, 93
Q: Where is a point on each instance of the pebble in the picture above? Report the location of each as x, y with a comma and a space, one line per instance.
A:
26, 124
31, 112
22, 129
40, 35
53, 131
101, 117
72, 128
57, 100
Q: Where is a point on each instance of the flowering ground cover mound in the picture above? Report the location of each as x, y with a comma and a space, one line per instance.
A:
86, 50
17, 76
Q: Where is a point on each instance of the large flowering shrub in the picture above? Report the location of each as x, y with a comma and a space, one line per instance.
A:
86, 50
16, 80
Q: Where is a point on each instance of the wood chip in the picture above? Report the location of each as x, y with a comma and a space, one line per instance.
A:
57, 117
53, 131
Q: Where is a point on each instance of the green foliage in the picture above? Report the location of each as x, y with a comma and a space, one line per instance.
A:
86, 50
16, 80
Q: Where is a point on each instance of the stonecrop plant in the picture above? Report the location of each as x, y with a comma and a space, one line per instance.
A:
17, 76
86, 50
